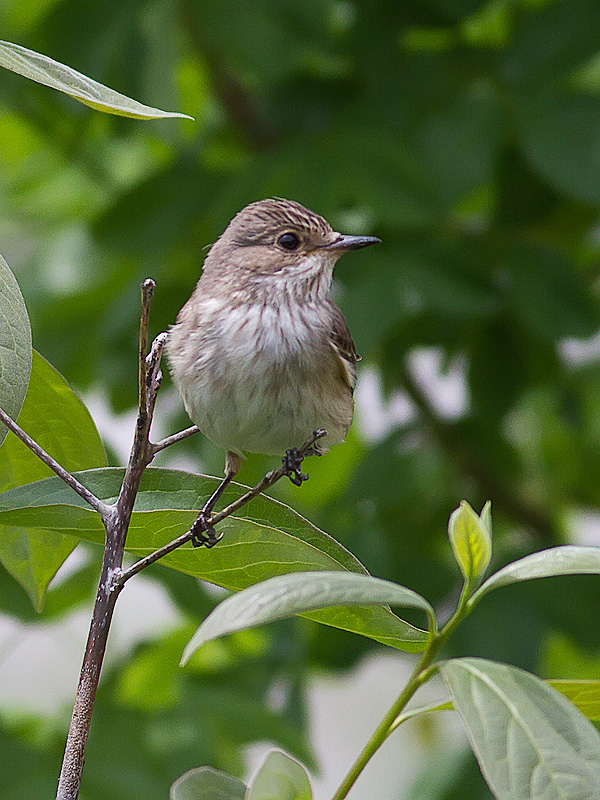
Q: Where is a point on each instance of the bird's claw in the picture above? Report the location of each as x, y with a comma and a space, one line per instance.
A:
203, 533
292, 461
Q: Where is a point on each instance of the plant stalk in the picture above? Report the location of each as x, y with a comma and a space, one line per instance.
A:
420, 675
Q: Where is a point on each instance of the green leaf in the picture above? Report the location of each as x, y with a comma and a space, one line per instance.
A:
265, 538
60, 423
206, 783
458, 142
530, 741
58, 76
280, 778
299, 593
584, 694
552, 41
471, 540
568, 308
560, 137
567, 560
15, 346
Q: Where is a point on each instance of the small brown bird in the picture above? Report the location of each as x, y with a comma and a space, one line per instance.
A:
261, 355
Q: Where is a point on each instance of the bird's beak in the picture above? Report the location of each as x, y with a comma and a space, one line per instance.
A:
345, 242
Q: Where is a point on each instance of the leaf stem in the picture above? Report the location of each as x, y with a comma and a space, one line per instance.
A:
420, 675
174, 439
386, 725
445, 705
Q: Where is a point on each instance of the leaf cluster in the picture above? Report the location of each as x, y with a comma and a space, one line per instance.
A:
530, 742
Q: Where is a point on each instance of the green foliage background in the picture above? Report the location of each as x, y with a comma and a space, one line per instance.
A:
466, 135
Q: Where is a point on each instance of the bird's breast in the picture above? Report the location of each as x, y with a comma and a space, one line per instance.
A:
260, 377
278, 333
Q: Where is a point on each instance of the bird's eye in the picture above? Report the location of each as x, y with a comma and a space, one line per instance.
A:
289, 241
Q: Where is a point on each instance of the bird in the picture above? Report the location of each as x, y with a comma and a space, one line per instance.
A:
260, 353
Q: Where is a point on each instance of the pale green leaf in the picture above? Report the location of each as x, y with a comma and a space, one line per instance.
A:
299, 593
206, 783
486, 517
530, 741
263, 539
45, 70
566, 560
559, 134
584, 694
280, 778
471, 540
60, 423
15, 346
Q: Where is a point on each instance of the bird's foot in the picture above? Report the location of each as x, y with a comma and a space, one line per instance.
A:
203, 533
292, 461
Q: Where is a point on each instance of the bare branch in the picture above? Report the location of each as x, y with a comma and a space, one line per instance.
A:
176, 437
90, 498
142, 449
153, 373
147, 291
125, 574
269, 480
116, 522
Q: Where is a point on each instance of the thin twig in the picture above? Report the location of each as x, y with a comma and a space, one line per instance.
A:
90, 498
174, 439
152, 558
270, 478
147, 291
153, 372
141, 450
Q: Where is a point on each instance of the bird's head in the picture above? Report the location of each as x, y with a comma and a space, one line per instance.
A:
280, 238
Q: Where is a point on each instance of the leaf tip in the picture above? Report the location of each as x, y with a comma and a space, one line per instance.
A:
470, 535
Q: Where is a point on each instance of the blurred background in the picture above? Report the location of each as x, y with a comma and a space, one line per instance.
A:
465, 134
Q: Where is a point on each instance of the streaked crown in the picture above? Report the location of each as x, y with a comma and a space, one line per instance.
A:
269, 236
277, 237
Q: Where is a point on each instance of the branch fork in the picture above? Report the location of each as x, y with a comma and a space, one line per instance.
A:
116, 518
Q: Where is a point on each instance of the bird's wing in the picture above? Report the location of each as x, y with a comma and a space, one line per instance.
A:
341, 342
